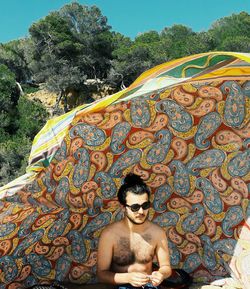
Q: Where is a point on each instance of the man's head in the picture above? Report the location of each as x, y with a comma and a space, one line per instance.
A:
134, 196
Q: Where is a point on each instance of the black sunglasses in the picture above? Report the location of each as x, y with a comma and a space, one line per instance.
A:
136, 207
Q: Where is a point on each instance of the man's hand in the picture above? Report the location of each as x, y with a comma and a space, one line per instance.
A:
138, 279
156, 278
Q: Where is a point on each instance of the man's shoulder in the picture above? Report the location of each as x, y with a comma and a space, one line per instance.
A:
156, 229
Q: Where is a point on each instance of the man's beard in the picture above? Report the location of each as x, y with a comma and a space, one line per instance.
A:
134, 222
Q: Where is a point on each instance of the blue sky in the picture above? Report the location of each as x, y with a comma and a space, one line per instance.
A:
129, 17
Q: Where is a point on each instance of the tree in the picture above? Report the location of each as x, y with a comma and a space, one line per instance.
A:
56, 55
232, 33
30, 118
7, 99
70, 45
20, 120
16, 139
176, 39
130, 62
12, 54
13, 158
90, 28
238, 43
199, 43
131, 58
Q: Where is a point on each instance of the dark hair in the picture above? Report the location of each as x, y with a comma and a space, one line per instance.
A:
132, 183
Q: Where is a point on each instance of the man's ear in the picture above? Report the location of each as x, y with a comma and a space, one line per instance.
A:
123, 208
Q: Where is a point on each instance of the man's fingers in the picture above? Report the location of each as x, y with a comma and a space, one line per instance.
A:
156, 279
138, 283
143, 277
139, 279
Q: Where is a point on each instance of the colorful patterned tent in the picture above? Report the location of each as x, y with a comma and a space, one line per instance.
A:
183, 126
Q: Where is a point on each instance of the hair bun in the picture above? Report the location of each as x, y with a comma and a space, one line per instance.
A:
132, 179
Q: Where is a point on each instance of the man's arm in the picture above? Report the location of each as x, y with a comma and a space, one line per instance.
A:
162, 254
104, 260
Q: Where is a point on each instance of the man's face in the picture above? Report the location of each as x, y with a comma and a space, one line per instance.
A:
140, 216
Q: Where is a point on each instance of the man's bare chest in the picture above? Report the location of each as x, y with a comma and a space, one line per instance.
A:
135, 249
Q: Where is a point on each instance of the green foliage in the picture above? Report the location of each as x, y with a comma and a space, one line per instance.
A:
7, 86
148, 37
32, 116
29, 89
151, 48
7, 97
119, 40
57, 54
13, 158
84, 21
231, 29
71, 45
237, 43
130, 59
177, 38
4, 136
20, 120
199, 43
13, 55
15, 148
53, 42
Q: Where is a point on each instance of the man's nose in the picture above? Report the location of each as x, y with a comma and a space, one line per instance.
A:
140, 210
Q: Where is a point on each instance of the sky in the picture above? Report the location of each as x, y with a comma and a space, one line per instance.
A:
129, 17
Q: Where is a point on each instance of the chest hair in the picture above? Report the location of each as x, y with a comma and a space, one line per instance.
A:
138, 249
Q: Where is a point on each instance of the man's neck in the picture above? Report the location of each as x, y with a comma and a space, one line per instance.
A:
132, 227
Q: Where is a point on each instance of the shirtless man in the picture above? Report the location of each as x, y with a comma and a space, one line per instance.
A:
127, 247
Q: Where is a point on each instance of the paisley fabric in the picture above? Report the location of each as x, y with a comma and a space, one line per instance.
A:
189, 143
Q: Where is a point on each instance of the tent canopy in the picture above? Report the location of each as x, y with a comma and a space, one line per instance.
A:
183, 126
